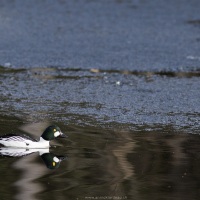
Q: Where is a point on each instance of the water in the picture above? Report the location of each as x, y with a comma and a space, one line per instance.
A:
131, 135
121, 78
151, 163
124, 98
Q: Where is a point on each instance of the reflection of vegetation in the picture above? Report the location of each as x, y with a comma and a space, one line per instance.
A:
147, 165
8, 177
163, 166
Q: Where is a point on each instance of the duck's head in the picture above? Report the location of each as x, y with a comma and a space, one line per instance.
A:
52, 132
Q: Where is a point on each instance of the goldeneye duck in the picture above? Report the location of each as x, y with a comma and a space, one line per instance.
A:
24, 141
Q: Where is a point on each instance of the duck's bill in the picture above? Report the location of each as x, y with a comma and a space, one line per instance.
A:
62, 135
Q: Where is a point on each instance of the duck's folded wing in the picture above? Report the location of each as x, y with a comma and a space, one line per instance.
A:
14, 137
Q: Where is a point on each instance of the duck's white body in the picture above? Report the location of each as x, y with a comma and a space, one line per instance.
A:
24, 142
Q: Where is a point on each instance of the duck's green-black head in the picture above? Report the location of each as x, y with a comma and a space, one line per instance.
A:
52, 132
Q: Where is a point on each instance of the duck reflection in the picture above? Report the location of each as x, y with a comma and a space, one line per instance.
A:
51, 160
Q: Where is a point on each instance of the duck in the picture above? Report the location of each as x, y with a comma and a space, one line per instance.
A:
24, 141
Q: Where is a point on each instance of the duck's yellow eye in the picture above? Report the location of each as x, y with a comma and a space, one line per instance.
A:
54, 164
54, 130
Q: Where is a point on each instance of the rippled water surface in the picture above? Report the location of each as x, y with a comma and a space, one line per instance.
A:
150, 163
98, 97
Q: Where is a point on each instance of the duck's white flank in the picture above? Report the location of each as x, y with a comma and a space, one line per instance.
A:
20, 142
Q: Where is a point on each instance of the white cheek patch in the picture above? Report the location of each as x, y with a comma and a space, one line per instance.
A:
56, 134
55, 159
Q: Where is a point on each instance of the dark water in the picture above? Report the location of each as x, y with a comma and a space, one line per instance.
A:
151, 163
